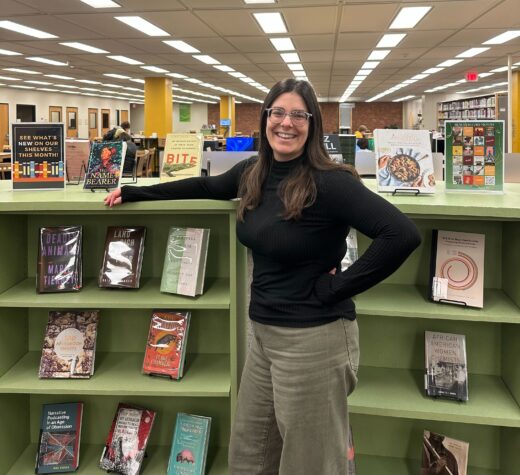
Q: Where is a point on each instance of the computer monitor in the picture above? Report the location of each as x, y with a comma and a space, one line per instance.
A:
225, 122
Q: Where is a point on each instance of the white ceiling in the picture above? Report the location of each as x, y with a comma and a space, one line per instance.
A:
332, 37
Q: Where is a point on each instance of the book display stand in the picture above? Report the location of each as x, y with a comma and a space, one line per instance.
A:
406, 191
82, 172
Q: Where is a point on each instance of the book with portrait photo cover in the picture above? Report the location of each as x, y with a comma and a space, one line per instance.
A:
105, 165
446, 373
457, 268
443, 455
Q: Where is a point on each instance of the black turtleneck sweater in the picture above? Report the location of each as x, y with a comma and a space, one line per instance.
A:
292, 259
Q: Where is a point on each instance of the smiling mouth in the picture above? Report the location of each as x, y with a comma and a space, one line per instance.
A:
284, 135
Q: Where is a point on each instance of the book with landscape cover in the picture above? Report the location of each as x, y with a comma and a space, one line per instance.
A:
443, 455
185, 261
446, 372
182, 156
190, 445
125, 446
166, 345
457, 268
59, 266
69, 346
105, 165
122, 257
58, 442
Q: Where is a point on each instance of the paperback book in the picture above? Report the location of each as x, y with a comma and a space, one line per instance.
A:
58, 442
105, 165
443, 455
59, 267
190, 445
446, 365
185, 261
182, 156
351, 255
166, 345
69, 345
126, 442
122, 257
457, 268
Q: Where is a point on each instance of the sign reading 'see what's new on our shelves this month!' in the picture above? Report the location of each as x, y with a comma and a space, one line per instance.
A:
475, 155
38, 161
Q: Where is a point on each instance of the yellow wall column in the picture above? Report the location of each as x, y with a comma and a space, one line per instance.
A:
516, 111
158, 107
227, 111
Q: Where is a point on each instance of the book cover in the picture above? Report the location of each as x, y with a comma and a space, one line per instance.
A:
443, 455
185, 261
105, 165
58, 443
166, 345
127, 439
404, 160
69, 346
190, 445
446, 365
457, 268
59, 266
122, 257
351, 255
182, 156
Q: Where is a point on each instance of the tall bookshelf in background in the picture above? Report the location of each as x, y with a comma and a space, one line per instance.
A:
215, 343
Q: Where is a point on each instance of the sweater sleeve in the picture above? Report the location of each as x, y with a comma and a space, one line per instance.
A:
219, 187
394, 237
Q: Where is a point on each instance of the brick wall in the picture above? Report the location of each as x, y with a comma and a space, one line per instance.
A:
247, 117
377, 115
214, 114
330, 117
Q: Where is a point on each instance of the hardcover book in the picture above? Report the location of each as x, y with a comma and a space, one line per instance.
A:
446, 365
59, 267
190, 445
69, 346
457, 268
126, 442
166, 346
58, 443
442, 455
105, 165
123, 257
185, 261
182, 156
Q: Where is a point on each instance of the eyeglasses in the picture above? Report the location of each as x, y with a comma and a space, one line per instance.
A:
277, 115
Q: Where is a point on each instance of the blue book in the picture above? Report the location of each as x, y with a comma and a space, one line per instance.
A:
190, 445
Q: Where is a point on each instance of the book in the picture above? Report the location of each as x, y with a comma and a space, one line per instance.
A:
59, 266
182, 156
190, 445
127, 439
185, 261
105, 165
166, 345
446, 372
122, 257
351, 255
443, 455
457, 268
69, 346
58, 442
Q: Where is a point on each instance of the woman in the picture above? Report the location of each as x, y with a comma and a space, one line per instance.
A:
296, 209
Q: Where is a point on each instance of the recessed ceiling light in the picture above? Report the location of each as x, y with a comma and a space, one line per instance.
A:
300, 73
142, 25
9, 52
205, 59
282, 44
370, 64
378, 54
390, 40
469, 53
498, 70
41, 83
271, 22
22, 87
290, 57
256, 2
181, 46
126, 60
408, 17
449, 62
117, 76
409, 81
87, 81
23, 71
223, 67
46, 89
67, 86
25, 30
177, 75
6, 78
295, 67
101, 3
359, 78
403, 99
237, 75
432, 70
84, 47
248, 80
47, 61
155, 69
140, 81
193, 80
503, 38
58, 76
364, 72
420, 76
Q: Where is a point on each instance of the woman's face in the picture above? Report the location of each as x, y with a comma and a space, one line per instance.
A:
287, 139
105, 155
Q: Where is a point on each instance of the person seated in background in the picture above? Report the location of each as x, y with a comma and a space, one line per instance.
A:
361, 132
114, 133
362, 144
131, 149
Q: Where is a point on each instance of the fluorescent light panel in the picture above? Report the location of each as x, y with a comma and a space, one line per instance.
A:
47, 61
87, 81
432, 70
25, 30
155, 69
223, 67
449, 62
378, 54
295, 67
282, 44
117, 76
126, 60
9, 52
271, 22
469, 53
290, 57
182, 46
176, 75
41, 83
6, 78
503, 38
142, 25
257, 2
408, 17
101, 3
370, 64
205, 59
140, 81
23, 71
58, 76
84, 47
390, 40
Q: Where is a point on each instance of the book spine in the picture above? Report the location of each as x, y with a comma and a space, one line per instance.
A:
433, 259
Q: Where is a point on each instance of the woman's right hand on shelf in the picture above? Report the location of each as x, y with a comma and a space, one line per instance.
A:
113, 198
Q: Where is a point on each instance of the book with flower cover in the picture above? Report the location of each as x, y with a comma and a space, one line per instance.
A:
105, 165
443, 455
127, 439
58, 443
190, 445
59, 266
122, 257
166, 345
69, 346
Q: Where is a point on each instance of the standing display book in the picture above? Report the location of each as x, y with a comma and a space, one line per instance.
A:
123, 257
182, 156
457, 268
190, 445
59, 267
446, 365
443, 455
126, 442
185, 261
58, 443
69, 346
166, 345
105, 165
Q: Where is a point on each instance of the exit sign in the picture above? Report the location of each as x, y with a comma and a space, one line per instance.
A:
471, 76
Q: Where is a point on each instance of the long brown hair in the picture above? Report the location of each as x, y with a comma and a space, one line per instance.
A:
298, 190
